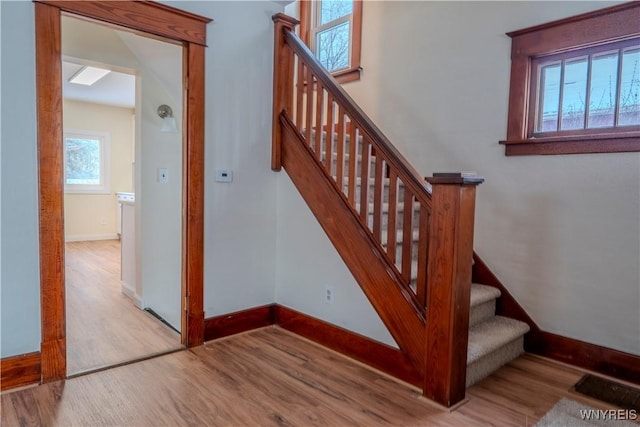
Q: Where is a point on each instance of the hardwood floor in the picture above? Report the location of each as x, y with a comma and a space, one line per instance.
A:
270, 376
104, 327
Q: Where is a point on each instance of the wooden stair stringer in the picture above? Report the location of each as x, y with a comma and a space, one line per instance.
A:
360, 252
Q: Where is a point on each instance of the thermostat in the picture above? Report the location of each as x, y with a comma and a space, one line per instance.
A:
224, 175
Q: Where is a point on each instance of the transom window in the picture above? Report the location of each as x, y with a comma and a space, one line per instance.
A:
86, 162
332, 29
587, 89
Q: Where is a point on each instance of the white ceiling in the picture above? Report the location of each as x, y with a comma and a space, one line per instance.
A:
89, 43
115, 88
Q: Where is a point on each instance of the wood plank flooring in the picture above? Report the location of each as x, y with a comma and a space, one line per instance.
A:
104, 327
271, 377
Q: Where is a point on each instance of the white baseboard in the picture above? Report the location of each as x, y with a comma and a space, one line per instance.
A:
87, 237
129, 292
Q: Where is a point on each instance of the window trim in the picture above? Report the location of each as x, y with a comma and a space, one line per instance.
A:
613, 24
105, 163
352, 73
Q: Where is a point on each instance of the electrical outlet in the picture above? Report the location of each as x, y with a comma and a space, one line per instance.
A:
163, 175
103, 221
329, 294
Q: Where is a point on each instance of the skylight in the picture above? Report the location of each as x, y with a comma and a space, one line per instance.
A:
88, 75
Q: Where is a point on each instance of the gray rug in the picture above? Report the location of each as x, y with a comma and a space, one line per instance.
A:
567, 413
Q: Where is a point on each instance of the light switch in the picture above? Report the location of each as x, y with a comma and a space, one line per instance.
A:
224, 175
163, 175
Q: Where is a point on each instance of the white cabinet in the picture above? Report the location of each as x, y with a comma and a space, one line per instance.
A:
128, 248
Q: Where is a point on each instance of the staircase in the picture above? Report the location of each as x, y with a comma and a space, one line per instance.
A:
493, 340
408, 243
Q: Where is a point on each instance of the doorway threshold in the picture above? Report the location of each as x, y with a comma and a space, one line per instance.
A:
128, 362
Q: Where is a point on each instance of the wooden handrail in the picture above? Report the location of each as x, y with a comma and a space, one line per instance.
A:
406, 172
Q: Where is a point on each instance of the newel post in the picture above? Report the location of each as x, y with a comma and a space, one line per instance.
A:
449, 285
282, 82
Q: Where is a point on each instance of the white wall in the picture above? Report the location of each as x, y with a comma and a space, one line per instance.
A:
240, 217
307, 261
20, 293
159, 206
561, 232
93, 216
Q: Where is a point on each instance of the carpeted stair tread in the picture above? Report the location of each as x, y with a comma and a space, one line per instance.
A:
483, 293
487, 336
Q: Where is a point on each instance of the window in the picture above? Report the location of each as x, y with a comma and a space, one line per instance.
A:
86, 162
576, 90
332, 29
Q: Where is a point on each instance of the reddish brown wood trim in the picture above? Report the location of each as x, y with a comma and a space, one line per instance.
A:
193, 195
239, 321
380, 356
585, 355
305, 20
517, 121
50, 177
364, 258
350, 75
449, 287
282, 82
597, 27
572, 146
356, 47
146, 16
18, 371
506, 305
50, 168
602, 25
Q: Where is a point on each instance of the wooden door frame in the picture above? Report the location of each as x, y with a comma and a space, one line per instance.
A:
150, 19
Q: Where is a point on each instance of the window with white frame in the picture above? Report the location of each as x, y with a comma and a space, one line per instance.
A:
331, 33
586, 89
86, 161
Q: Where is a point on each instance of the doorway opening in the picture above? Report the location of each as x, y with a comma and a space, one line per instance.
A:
122, 256
150, 19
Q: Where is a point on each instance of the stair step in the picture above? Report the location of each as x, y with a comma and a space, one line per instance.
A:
483, 303
491, 334
493, 343
481, 294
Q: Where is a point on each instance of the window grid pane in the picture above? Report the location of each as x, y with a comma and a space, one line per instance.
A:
549, 100
83, 159
333, 46
331, 10
629, 105
603, 91
574, 93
